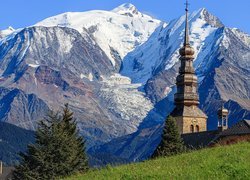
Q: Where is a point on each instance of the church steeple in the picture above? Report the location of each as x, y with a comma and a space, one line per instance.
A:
186, 40
189, 117
186, 80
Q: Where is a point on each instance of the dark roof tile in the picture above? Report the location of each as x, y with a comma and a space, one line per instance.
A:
242, 127
202, 139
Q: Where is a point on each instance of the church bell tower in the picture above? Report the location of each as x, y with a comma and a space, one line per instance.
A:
188, 115
222, 119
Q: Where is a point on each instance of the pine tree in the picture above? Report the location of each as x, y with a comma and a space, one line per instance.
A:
57, 151
171, 142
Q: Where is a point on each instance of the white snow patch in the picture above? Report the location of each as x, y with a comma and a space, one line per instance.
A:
90, 76
167, 91
34, 65
35, 78
9, 36
7, 31
225, 41
199, 33
82, 76
117, 79
110, 29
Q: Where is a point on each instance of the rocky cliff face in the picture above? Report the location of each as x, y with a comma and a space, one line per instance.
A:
21, 109
118, 73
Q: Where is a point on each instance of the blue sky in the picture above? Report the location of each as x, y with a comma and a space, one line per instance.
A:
22, 13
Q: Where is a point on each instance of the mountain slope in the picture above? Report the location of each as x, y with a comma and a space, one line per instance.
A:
117, 32
161, 50
13, 139
59, 65
55, 47
222, 67
21, 109
155, 63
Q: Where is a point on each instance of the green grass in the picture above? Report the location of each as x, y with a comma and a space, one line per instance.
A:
228, 162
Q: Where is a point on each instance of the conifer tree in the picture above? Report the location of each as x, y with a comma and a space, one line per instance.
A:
171, 142
57, 151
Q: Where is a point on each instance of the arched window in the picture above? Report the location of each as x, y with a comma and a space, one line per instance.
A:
192, 128
197, 128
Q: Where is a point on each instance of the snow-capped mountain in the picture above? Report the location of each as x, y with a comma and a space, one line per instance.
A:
161, 50
60, 65
117, 32
222, 66
117, 71
43, 67
6, 32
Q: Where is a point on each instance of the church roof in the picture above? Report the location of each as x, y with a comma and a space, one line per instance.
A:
203, 139
242, 127
200, 139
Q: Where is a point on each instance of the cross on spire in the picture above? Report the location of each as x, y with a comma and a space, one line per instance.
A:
187, 5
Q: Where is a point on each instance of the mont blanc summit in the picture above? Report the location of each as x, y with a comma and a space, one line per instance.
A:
117, 32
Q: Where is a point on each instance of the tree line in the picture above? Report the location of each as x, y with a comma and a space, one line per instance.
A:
59, 150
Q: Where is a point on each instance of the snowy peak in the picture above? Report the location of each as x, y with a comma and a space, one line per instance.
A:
11, 28
6, 32
127, 9
209, 18
117, 32
161, 50
242, 35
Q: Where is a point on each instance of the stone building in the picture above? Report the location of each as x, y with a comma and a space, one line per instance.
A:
223, 135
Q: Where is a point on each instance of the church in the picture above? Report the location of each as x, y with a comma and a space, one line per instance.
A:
190, 119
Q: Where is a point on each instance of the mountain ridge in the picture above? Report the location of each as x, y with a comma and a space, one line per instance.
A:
130, 30
217, 49
122, 90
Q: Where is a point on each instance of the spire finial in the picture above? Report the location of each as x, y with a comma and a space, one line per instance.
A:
186, 5
186, 41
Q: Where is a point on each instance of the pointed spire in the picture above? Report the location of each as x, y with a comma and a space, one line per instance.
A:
187, 50
186, 40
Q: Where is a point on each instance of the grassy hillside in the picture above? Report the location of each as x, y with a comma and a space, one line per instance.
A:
229, 162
